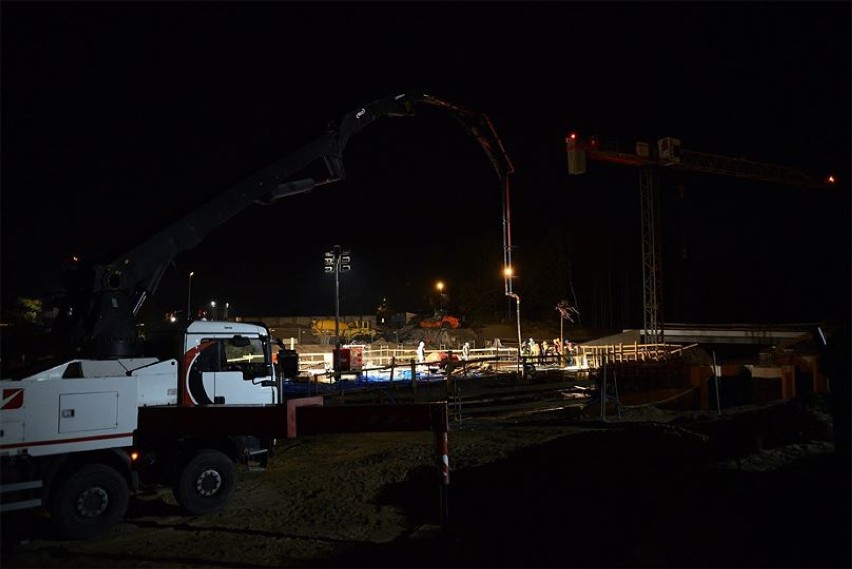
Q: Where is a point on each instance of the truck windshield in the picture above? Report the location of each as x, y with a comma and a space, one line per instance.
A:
254, 351
250, 356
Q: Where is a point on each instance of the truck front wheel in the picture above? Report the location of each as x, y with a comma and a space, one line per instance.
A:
206, 482
90, 502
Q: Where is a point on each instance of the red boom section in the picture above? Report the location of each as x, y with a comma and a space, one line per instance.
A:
306, 415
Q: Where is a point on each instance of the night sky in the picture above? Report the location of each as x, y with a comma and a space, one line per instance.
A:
117, 118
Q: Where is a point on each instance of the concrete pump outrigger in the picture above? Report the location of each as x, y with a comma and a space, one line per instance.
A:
180, 408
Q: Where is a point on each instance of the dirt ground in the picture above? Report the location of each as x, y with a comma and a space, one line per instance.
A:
760, 487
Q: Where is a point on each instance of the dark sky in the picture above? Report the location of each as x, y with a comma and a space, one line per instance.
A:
118, 117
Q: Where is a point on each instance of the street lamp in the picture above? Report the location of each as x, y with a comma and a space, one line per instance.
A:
212, 310
508, 274
440, 287
189, 298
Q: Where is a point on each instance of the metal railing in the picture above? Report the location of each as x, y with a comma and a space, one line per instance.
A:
596, 356
389, 357
318, 366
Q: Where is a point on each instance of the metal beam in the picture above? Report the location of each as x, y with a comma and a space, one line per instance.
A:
758, 335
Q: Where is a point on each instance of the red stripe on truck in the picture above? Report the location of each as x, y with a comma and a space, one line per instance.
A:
65, 441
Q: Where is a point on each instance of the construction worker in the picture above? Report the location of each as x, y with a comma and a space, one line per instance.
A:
421, 352
557, 350
466, 351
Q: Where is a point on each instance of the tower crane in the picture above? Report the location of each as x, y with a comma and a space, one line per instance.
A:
669, 154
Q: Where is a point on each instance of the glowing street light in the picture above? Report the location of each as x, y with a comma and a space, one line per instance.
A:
440, 287
508, 275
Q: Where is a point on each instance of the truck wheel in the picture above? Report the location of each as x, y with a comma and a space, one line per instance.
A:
90, 502
206, 482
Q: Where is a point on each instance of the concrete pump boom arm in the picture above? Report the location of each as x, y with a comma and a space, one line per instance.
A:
105, 300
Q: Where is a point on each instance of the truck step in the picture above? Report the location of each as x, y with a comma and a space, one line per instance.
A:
257, 460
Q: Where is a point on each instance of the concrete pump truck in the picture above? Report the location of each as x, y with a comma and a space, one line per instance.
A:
116, 411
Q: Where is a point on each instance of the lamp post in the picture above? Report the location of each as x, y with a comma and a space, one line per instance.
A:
337, 261
508, 274
189, 298
440, 287
213, 310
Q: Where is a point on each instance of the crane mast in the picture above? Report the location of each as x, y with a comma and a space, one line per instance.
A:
668, 154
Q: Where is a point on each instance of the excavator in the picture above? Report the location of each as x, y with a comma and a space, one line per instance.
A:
350, 331
441, 319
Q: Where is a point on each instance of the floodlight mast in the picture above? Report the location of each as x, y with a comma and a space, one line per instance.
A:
103, 300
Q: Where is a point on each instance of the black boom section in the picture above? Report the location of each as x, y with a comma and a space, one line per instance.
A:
104, 319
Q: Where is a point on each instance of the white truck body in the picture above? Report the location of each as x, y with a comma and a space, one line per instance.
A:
51, 413
87, 412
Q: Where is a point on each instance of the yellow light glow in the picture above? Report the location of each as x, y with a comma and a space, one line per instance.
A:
831, 179
134, 456
440, 286
507, 271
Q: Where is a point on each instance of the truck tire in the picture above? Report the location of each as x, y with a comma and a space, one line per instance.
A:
206, 482
90, 502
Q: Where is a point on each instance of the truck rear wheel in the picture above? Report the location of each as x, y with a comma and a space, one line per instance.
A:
90, 502
206, 482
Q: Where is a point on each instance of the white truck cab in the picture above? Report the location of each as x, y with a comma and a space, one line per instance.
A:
220, 362
228, 362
